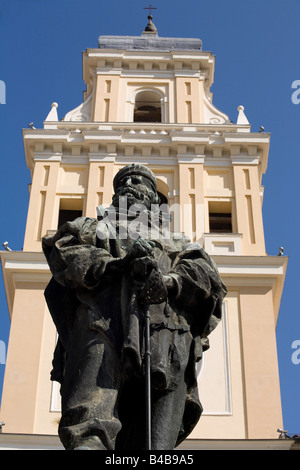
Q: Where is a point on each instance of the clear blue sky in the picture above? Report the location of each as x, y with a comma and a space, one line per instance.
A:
256, 44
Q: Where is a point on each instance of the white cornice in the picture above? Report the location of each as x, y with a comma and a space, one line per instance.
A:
9, 441
245, 159
48, 156
238, 444
221, 141
236, 271
22, 267
115, 61
254, 271
162, 55
24, 261
190, 158
251, 265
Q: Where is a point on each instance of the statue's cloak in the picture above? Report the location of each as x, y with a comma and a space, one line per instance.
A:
79, 261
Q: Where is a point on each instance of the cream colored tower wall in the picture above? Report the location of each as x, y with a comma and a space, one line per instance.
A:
47, 414
189, 100
20, 387
222, 393
249, 209
197, 188
191, 190
242, 398
42, 200
106, 98
181, 93
262, 391
100, 186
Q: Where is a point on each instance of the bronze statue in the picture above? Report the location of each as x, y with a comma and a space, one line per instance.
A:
108, 277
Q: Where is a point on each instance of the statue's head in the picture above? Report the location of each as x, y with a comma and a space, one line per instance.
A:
138, 184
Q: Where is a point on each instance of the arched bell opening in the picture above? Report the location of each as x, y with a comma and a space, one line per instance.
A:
147, 107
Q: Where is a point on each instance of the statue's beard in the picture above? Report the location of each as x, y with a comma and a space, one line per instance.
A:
132, 197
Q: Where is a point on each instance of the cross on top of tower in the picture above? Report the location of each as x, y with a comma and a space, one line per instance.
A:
150, 8
150, 28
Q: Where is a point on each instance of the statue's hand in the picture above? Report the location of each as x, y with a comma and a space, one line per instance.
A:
154, 290
149, 281
68, 228
141, 268
139, 249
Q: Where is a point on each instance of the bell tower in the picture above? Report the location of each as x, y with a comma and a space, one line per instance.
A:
148, 100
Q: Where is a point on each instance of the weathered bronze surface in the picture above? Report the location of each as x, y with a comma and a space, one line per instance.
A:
107, 277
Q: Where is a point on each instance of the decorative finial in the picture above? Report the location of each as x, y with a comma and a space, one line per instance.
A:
242, 117
52, 116
150, 26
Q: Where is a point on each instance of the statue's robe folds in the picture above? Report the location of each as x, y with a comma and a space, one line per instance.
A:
99, 354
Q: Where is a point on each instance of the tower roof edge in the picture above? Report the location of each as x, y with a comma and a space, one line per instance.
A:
149, 42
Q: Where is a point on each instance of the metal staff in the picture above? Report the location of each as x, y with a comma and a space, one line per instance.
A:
147, 378
155, 278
